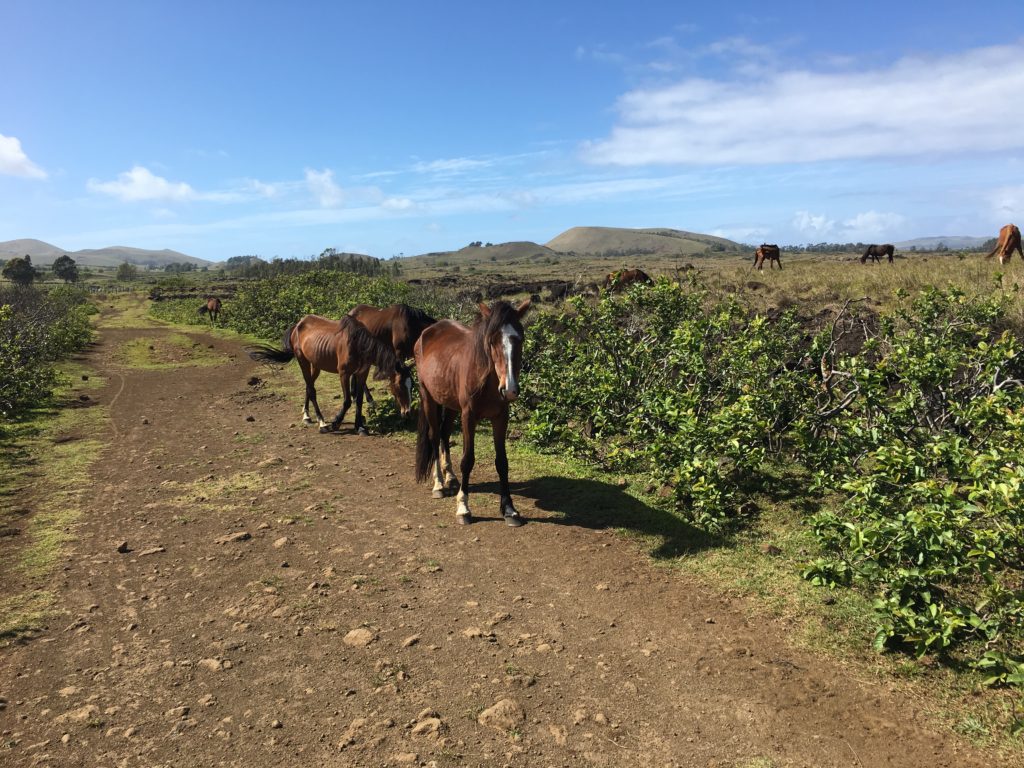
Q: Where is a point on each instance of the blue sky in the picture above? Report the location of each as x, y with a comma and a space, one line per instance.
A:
227, 128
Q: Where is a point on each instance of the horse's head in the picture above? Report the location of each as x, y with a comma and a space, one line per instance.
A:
400, 384
503, 337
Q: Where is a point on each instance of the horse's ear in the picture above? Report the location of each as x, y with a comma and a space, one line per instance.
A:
484, 309
523, 308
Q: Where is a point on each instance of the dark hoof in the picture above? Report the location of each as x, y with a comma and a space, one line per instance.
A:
362, 431
325, 429
438, 493
464, 519
514, 521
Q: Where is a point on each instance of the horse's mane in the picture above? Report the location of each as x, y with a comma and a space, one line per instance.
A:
415, 314
366, 346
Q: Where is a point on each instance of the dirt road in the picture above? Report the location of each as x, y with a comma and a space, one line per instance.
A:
290, 598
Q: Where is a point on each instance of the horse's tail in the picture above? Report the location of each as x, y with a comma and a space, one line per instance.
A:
424, 445
366, 346
264, 353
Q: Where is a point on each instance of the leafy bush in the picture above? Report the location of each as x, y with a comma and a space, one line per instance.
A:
926, 447
670, 382
37, 328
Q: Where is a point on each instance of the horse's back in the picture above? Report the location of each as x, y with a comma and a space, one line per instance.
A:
442, 352
316, 338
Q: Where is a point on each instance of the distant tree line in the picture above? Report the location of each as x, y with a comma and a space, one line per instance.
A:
21, 271
330, 259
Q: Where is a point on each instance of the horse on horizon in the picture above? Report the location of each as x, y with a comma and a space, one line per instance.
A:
876, 252
343, 347
472, 372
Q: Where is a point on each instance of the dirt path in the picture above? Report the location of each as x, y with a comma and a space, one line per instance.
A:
224, 636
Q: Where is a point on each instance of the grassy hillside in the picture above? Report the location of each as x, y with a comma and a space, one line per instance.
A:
616, 241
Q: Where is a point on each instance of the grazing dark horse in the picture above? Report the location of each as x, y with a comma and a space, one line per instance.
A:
472, 372
398, 325
1009, 241
768, 251
211, 308
623, 278
876, 252
344, 347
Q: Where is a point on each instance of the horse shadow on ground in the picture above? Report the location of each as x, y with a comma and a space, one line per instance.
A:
598, 505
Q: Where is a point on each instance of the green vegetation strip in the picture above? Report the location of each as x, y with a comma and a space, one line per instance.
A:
46, 468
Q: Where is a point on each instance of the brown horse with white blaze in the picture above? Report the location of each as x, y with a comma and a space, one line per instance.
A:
343, 347
473, 372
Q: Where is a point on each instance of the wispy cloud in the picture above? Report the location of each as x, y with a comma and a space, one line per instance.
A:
453, 165
141, 184
954, 103
14, 161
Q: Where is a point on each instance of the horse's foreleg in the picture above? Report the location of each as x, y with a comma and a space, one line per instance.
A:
462, 513
359, 387
345, 403
499, 425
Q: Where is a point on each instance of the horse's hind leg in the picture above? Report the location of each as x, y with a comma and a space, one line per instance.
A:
462, 512
309, 373
446, 478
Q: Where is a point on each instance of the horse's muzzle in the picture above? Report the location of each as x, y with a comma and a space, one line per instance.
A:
508, 395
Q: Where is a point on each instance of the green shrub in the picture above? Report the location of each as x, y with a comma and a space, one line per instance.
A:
37, 328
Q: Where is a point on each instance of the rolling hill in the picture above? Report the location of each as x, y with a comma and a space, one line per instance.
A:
600, 241
44, 254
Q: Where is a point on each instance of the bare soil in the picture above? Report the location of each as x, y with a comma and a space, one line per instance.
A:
291, 598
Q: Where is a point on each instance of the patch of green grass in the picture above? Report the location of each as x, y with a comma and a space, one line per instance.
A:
24, 614
164, 352
44, 466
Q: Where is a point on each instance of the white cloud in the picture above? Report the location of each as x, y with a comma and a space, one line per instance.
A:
955, 103
14, 161
398, 204
871, 224
323, 187
142, 184
812, 225
261, 188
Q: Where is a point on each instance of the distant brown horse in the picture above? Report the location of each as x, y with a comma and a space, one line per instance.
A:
1009, 241
211, 308
398, 325
623, 278
472, 372
768, 251
876, 252
344, 347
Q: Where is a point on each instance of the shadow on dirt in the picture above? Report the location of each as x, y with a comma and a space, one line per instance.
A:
597, 505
